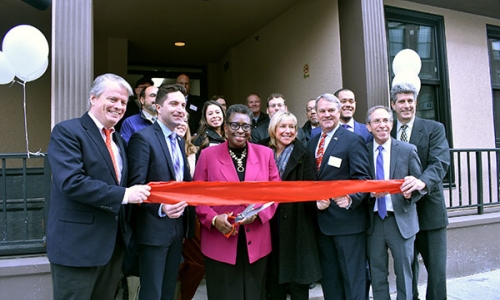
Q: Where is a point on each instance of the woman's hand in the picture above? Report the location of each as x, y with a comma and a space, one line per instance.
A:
222, 224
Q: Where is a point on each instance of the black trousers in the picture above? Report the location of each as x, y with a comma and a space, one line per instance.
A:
242, 281
84, 283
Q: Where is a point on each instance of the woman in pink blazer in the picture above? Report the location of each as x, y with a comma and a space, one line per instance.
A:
235, 266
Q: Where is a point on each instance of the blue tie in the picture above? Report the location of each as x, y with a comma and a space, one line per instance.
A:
176, 159
382, 209
346, 126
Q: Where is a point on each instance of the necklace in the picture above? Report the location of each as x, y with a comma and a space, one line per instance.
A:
239, 160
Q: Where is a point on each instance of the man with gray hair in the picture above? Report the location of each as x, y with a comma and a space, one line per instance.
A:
340, 155
434, 153
393, 220
87, 229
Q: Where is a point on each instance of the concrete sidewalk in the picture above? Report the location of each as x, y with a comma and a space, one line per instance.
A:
482, 286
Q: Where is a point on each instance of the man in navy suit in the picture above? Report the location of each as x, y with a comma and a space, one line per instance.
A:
341, 155
347, 110
156, 153
394, 222
433, 150
87, 231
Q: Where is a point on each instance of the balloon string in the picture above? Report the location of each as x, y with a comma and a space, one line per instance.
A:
25, 118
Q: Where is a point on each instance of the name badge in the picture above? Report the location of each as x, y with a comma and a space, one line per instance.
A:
334, 161
193, 107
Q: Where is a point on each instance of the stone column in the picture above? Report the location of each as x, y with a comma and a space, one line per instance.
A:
72, 58
364, 53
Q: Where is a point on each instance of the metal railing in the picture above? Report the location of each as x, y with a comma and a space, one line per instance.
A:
24, 194
473, 179
471, 185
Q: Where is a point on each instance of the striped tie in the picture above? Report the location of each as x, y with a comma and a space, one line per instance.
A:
176, 159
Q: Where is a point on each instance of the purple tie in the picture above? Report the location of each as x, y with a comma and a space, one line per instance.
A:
346, 126
382, 209
175, 157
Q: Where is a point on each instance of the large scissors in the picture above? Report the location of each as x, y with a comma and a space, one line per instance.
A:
249, 211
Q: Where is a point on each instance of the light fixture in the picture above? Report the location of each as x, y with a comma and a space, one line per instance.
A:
180, 44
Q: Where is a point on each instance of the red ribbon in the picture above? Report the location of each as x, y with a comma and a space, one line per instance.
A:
238, 193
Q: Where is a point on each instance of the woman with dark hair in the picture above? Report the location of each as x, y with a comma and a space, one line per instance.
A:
294, 262
221, 100
235, 265
211, 130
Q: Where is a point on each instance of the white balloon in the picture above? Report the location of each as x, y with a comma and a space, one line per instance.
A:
406, 60
407, 77
27, 48
7, 72
35, 75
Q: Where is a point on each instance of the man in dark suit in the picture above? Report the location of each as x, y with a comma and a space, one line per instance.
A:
393, 223
275, 102
259, 119
312, 119
347, 110
194, 104
341, 155
156, 153
87, 231
433, 150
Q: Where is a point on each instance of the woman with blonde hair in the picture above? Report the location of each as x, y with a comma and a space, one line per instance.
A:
294, 261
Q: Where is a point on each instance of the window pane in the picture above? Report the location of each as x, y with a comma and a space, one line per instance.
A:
496, 110
494, 50
417, 37
426, 104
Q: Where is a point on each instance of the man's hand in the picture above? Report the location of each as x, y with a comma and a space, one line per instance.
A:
138, 193
322, 204
342, 201
411, 184
174, 211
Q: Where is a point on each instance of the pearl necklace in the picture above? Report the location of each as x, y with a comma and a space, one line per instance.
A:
239, 160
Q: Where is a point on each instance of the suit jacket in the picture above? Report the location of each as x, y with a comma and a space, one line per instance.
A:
351, 149
194, 107
86, 199
307, 128
215, 164
150, 160
404, 162
361, 129
434, 153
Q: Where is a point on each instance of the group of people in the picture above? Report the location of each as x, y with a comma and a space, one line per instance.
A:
100, 184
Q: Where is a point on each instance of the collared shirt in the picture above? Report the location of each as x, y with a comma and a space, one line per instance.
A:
386, 154
328, 138
116, 150
408, 130
148, 116
166, 132
351, 125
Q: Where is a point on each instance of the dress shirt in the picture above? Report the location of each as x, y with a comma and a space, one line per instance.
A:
148, 116
408, 129
387, 163
351, 125
166, 131
328, 138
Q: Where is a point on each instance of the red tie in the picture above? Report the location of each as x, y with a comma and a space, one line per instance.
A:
321, 150
107, 132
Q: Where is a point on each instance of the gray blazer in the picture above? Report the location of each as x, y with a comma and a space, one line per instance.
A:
404, 162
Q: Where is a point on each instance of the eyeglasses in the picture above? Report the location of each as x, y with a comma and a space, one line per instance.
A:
235, 126
378, 121
309, 109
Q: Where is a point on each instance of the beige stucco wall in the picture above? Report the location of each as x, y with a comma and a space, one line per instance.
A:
308, 33
469, 75
12, 133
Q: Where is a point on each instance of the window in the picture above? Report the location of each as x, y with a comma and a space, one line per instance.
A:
423, 33
494, 53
